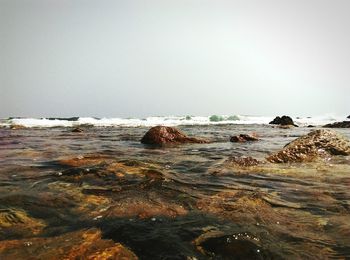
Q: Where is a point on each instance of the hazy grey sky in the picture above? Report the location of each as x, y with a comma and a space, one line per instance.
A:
158, 57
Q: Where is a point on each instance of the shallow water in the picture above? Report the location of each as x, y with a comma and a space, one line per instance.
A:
187, 200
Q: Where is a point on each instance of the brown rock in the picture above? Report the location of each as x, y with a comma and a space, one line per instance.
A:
243, 138
85, 244
344, 124
243, 161
141, 207
85, 160
18, 221
162, 135
17, 127
316, 144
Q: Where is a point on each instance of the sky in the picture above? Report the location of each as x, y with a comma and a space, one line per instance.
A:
137, 58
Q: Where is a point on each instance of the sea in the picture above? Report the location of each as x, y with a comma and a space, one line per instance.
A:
172, 202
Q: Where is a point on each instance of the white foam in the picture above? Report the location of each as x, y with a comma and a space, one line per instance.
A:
165, 120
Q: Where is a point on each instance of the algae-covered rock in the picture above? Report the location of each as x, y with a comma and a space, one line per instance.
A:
85, 244
18, 221
242, 161
317, 144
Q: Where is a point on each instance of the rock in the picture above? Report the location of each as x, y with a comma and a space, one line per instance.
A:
344, 124
17, 127
85, 244
284, 120
243, 138
75, 118
232, 246
243, 161
85, 160
348, 117
316, 144
162, 135
285, 126
77, 130
310, 126
141, 207
18, 222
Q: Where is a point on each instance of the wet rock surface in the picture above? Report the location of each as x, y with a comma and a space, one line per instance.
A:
243, 161
244, 138
284, 120
162, 135
85, 244
344, 124
316, 144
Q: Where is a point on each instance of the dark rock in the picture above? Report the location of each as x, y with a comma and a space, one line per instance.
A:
317, 144
348, 117
162, 135
243, 161
77, 130
63, 118
243, 138
310, 126
284, 120
344, 124
231, 246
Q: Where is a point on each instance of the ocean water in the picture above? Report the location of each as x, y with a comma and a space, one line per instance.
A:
178, 202
166, 120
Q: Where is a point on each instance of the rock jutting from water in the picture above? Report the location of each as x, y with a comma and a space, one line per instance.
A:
317, 144
77, 130
163, 135
344, 124
284, 120
243, 138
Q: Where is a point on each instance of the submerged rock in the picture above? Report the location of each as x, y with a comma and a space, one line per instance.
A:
284, 120
243, 138
316, 144
243, 161
85, 244
18, 222
233, 246
84, 160
344, 124
162, 135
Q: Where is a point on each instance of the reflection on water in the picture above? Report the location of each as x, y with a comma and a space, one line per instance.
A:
107, 188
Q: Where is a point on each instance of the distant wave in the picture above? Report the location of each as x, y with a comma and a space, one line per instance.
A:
163, 120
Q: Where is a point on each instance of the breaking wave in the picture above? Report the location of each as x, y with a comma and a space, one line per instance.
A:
163, 120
